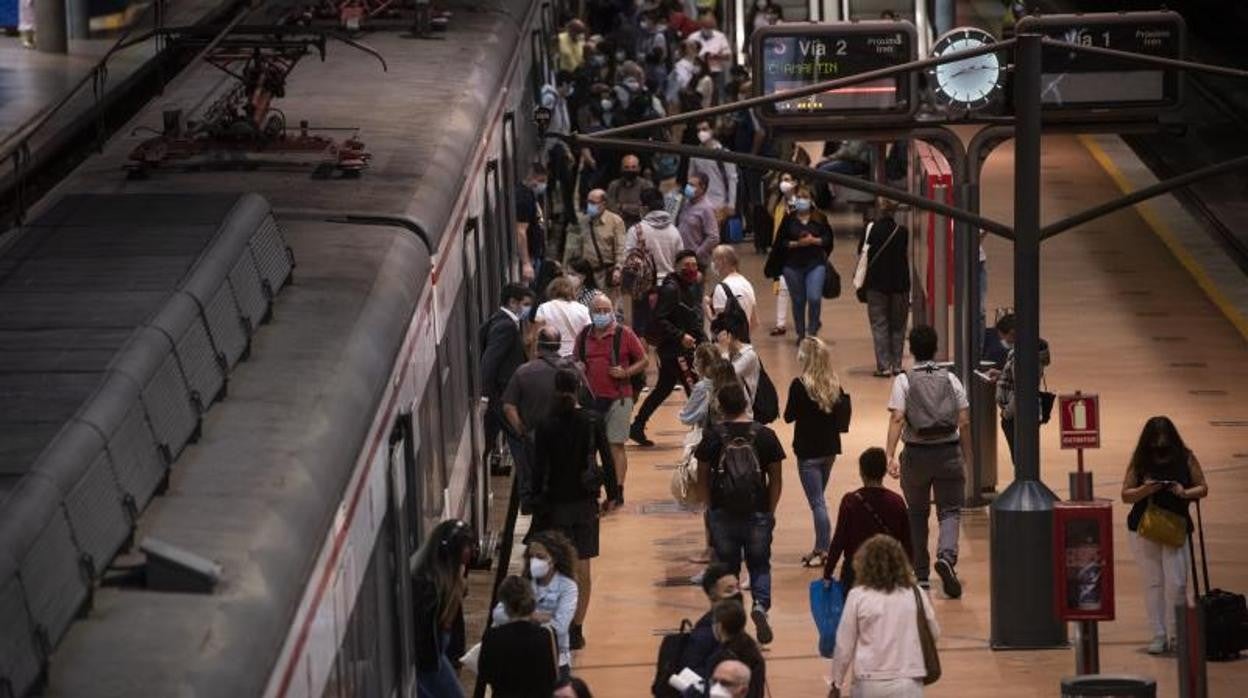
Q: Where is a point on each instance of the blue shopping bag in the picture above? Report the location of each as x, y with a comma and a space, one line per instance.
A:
827, 601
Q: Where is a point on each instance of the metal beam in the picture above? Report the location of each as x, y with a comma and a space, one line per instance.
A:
1149, 192
765, 163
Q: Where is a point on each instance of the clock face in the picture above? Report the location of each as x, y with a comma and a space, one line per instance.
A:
971, 82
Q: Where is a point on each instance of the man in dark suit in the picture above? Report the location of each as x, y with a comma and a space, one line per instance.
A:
502, 352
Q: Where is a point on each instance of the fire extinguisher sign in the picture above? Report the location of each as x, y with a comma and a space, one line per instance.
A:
1080, 420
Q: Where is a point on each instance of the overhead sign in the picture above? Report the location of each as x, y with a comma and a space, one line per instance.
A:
1080, 420
1082, 82
790, 56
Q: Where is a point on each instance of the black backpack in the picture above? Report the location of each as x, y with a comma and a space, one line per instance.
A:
732, 317
766, 402
670, 651
737, 481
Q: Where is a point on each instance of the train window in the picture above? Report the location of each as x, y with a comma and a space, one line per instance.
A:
429, 459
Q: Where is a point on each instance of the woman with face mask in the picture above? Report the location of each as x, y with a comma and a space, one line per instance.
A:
1161, 481
800, 253
550, 567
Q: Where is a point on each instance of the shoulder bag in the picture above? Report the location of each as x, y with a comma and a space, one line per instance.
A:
1162, 526
931, 658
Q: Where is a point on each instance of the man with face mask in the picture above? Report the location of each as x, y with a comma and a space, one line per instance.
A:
721, 176
611, 355
732, 679
699, 228
1006, 389
624, 193
715, 49
526, 401
676, 329
601, 243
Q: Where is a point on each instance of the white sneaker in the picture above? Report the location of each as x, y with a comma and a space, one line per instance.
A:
1158, 645
696, 579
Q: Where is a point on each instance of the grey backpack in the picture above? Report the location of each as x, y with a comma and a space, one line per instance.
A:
931, 405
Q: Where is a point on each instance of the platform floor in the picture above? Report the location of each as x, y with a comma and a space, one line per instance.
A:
1124, 320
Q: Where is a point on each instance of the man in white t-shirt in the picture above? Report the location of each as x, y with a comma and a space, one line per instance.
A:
724, 260
931, 415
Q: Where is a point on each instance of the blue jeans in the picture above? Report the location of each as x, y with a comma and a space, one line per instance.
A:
806, 291
732, 533
814, 473
443, 683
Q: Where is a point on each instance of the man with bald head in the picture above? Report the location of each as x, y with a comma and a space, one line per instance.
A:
526, 402
600, 242
624, 193
731, 679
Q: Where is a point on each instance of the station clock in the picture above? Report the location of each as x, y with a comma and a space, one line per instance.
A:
969, 84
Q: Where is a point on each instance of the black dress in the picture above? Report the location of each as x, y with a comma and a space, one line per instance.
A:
519, 660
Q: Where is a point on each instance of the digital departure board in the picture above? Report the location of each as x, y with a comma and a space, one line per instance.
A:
790, 56
1081, 82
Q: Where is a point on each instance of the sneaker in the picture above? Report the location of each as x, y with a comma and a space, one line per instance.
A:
762, 627
576, 637
1158, 645
924, 584
638, 434
882, 373
696, 579
948, 578
778, 331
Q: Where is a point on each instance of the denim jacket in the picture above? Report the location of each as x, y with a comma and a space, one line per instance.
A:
559, 600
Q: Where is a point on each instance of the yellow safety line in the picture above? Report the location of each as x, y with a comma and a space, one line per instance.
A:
1168, 237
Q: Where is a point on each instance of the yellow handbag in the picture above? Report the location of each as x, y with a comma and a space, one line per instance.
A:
1163, 526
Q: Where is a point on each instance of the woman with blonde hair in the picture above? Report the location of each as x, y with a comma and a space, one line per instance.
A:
562, 312
816, 404
879, 630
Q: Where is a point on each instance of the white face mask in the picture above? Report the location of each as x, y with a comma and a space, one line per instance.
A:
718, 691
539, 568
786, 186
704, 136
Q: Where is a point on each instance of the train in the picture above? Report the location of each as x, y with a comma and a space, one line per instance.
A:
352, 426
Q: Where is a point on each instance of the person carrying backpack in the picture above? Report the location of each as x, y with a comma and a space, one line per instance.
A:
931, 416
739, 474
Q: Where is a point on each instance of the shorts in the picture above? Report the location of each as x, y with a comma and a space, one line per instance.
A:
576, 520
617, 418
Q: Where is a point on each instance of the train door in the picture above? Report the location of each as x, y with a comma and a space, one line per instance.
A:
479, 486
430, 466
402, 522
493, 233
509, 180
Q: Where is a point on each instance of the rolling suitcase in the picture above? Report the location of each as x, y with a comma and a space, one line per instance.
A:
1226, 613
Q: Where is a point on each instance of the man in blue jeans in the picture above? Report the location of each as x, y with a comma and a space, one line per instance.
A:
739, 474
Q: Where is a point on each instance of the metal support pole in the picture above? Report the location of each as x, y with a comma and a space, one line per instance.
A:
79, 19
1087, 635
1023, 616
940, 279
1189, 628
50, 26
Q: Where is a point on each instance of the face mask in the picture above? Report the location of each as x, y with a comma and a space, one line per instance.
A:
620, 56
606, 105
738, 597
565, 91
690, 191
718, 691
593, 210
661, 27
629, 175
598, 61
704, 136
801, 204
632, 84
539, 188
786, 186
602, 320
539, 568
525, 309
708, 33
689, 276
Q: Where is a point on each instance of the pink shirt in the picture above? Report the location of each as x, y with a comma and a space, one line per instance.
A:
879, 634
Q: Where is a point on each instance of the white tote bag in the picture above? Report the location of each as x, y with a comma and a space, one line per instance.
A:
860, 271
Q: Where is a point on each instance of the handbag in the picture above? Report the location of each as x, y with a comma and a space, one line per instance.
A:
827, 604
931, 658
831, 281
1162, 526
685, 476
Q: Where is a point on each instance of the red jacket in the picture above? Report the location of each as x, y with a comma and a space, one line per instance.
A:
855, 524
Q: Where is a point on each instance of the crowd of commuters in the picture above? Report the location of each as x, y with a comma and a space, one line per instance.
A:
628, 275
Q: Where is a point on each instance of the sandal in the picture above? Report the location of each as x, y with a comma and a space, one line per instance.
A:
814, 559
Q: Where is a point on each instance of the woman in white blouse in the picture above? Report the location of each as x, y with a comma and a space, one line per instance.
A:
879, 630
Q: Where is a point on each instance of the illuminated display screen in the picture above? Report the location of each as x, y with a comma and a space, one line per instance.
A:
790, 57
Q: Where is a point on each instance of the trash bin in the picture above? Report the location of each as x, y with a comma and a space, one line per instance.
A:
1112, 686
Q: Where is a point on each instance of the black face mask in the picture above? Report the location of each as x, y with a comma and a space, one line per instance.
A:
738, 597
628, 176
